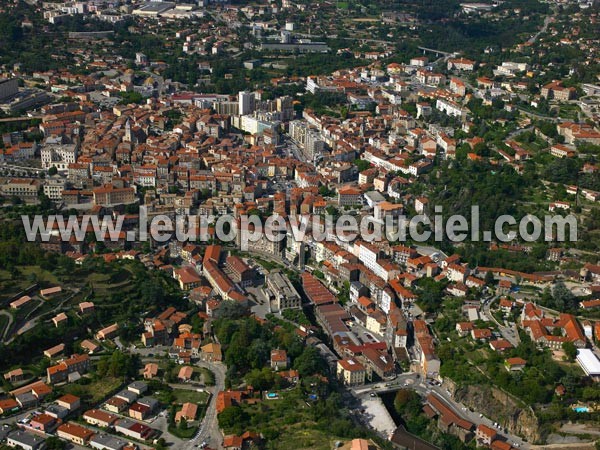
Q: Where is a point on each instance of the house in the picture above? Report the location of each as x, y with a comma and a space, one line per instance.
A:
233, 442
17, 304
225, 399
500, 345
279, 359
185, 374
90, 347
188, 412
484, 434
62, 370
14, 376
116, 404
69, 401
139, 411
47, 293
150, 370
127, 395
138, 387
26, 400
59, 319
515, 364
211, 352
43, 422
108, 332
134, 429
75, 433
464, 328
350, 372
53, 351
25, 441
103, 441
86, 307
506, 305
481, 334
8, 405
188, 278
56, 411
99, 418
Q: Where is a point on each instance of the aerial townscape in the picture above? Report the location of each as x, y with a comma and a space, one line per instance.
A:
173, 176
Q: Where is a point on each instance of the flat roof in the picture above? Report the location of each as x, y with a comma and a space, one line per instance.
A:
588, 361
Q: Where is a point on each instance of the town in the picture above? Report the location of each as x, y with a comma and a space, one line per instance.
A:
147, 112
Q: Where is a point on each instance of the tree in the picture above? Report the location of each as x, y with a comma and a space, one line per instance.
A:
489, 278
570, 350
52, 171
54, 443
309, 362
182, 424
562, 298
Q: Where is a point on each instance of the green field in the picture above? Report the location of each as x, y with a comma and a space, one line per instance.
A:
94, 392
188, 396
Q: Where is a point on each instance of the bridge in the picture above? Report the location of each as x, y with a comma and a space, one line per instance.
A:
437, 52
16, 119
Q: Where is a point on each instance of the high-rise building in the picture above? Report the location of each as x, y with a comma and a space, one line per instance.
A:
247, 102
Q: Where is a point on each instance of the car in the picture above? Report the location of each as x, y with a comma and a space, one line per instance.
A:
480, 416
373, 394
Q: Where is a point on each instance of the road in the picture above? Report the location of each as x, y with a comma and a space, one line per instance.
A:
209, 427
547, 21
511, 334
8, 325
411, 380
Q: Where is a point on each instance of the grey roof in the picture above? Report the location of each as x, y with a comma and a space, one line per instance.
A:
107, 441
138, 385
127, 395
25, 439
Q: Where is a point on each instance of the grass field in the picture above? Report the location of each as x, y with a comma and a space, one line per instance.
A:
187, 396
41, 275
94, 392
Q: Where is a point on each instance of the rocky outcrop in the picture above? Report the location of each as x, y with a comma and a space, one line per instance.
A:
497, 405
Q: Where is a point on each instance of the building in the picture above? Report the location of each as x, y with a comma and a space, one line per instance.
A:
185, 374
25, 441
286, 296
14, 376
484, 434
246, 103
134, 429
349, 196
589, 363
69, 401
23, 188
58, 155
75, 433
211, 352
188, 412
557, 91
109, 195
54, 187
99, 418
61, 371
108, 333
8, 88
241, 273
103, 441
350, 372
279, 359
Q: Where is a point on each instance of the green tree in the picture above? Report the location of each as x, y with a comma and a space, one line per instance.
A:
570, 350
